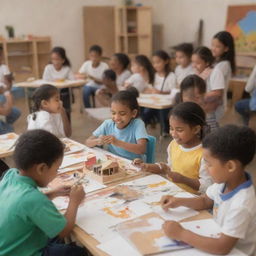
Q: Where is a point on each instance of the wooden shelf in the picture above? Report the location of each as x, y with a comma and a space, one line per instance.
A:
26, 58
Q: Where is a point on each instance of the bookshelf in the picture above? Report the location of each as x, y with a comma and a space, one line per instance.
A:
26, 57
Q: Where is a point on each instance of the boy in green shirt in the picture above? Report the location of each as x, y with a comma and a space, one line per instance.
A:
28, 217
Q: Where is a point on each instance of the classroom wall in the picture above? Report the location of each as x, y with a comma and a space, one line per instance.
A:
181, 18
60, 19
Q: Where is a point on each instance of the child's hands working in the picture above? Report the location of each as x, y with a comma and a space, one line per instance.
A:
77, 194
140, 164
169, 202
62, 190
173, 229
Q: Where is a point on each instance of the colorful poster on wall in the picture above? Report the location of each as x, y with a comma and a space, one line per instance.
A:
241, 23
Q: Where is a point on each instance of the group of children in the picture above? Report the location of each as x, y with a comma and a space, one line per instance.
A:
207, 162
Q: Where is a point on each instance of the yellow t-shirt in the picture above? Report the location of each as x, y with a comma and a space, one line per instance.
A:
185, 162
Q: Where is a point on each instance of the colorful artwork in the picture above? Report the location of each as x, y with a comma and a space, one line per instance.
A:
241, 23
147, 235
104, 210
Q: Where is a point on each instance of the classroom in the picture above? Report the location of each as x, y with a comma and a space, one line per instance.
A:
127, 127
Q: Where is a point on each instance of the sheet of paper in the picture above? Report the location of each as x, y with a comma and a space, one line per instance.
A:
116, 245
7, 141
72, 159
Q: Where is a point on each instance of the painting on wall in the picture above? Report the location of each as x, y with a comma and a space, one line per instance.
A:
241, 23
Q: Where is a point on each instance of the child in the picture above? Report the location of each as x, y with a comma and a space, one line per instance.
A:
28, 217
247, 107
93, 70
8, 113
143, 74
193, 89
223, 50
202, 60
125, 135
59, 70
183, 53
119, 63
103, 95
164, 83
227, 151
185, 164
49, 113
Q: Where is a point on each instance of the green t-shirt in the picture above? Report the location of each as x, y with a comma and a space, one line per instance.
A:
27, 217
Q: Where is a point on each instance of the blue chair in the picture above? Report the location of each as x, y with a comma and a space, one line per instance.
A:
151, 148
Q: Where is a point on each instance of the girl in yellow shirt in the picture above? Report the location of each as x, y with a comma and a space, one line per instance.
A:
185, 165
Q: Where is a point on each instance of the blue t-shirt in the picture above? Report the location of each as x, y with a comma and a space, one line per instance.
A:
134, 131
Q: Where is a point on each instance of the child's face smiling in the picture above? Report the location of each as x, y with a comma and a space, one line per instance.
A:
218, 48
122, 114
53, 105
183, 133
199, 64
57, 61
159, 64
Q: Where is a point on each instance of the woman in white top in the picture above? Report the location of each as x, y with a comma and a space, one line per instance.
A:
48, 112
183, 53
215, 97
164, 83
143, 74
60, 70
119, 63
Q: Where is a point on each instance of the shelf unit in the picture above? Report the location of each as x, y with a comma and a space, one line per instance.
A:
126, 29
133, 30
26, 58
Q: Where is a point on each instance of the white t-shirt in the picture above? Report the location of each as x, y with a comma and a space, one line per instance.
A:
165, 84
251, 83
51, 74
205, 179
47, 121
4, 70
216, 81
225, 67
137, 81
120, 79
181, 72
235, 212
97, 72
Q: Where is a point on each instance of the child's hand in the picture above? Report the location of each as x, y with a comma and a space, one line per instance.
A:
173, 229
140, 164
77, 194
109, 139
62, 190
169, 202
175, 176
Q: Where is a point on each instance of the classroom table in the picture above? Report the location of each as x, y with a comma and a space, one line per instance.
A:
156, 101
7, 144
60, 85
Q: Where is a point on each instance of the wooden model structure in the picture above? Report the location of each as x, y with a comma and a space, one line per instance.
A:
107, 171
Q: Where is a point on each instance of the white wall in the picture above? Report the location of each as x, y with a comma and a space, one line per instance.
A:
60, 19
181, 18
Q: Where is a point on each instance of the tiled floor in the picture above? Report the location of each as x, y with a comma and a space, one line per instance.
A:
83, 125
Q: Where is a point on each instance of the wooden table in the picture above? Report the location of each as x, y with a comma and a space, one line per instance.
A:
158, 102
60, 85
7, 144
155, 101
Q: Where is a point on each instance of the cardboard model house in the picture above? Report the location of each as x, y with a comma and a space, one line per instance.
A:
107, 171
106, 168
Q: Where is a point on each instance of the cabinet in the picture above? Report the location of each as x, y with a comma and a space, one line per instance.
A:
26, 58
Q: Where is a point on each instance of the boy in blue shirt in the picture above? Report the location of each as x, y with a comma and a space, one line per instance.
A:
28, 217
